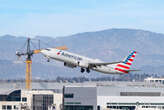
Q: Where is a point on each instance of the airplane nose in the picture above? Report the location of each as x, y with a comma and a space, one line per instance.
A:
44, 52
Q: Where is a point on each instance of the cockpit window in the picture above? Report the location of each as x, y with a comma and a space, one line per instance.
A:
47, 49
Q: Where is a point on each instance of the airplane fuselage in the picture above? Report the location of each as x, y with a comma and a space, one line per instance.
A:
73, 60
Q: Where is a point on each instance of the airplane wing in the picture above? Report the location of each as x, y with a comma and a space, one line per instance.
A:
60, 48
102, 64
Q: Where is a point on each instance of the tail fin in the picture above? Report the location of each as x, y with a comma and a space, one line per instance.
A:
124, 67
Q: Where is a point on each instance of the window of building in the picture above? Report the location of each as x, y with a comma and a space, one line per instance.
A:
78, 107
3, 107
140, 94
9, 107
15, 107
68, 95
24, 99
98, 107
42, 101
122, 107
14, 96
3, 97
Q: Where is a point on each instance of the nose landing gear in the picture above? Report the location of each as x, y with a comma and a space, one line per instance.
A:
48, 60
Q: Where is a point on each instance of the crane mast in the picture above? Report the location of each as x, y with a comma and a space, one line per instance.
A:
28, 65
28, 62
28, 74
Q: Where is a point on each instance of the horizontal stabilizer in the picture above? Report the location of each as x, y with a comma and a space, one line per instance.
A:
132, 70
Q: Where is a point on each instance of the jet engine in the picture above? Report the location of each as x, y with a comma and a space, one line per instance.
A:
70, 65
83, 64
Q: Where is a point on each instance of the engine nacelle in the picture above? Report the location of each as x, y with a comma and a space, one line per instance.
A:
83, 64
69, 65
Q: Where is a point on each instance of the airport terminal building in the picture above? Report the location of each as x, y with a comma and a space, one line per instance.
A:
31, 100
88, 96
115, 96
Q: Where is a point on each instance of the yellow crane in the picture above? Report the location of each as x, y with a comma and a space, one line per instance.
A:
29, 53
28, 61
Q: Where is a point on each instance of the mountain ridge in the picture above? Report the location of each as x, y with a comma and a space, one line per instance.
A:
108, 45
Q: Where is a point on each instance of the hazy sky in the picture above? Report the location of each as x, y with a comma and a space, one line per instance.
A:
65, 17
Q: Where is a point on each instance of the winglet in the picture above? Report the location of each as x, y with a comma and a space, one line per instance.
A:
61, 48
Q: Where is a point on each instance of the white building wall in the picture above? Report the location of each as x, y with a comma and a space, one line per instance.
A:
103, 100
12, 104
29, 95
58, 101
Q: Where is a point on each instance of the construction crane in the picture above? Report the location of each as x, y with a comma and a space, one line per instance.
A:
29, 53
28, 61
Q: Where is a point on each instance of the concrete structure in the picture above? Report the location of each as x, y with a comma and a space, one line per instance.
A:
88, 96
31, 100
115, 96
80, 98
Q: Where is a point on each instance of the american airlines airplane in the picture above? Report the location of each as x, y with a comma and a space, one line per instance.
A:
86, 64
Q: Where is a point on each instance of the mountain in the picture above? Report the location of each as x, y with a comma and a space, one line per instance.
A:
108, 45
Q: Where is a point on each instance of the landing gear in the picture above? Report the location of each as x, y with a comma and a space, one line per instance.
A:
88, 70
82, 70
48, 60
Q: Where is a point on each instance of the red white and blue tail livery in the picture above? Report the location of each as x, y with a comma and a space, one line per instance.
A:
124, 67
86, 64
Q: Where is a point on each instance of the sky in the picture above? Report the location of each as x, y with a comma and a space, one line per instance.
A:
66, 17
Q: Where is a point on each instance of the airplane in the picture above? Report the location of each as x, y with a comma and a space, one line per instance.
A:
73, 60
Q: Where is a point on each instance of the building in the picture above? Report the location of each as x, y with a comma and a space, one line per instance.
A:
154, 80
80, 98
115, 96
87, 96
31, 100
